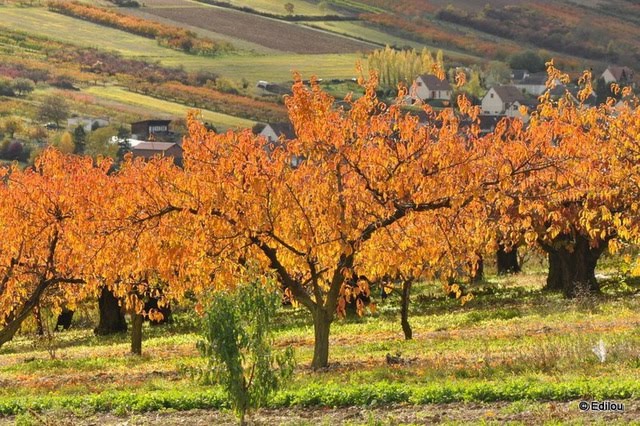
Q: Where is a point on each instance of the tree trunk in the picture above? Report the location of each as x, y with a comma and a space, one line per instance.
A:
13, 325
111, 317
554, 277
507, 261
321, 326
136, 334
64, 320
38, 316
572, 269
478, 275
404, 309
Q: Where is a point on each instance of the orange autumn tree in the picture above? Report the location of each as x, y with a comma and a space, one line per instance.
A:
365, 170
73, 227
51, 227
586, 200
440, 245
149, 247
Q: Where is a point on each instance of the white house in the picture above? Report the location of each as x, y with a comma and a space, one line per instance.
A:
616, 74
503, 100
274, 131
430, 87
533, 84
88, 124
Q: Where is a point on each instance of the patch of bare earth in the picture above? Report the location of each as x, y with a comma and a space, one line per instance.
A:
460, 413
271, 33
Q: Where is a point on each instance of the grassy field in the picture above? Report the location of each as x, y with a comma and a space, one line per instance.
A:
149, 105
280, 67
300, 7
40, 21
254, 67
513, 353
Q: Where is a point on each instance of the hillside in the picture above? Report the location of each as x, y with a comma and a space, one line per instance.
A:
585, 30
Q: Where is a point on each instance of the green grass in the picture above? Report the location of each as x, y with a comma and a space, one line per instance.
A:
356, 5
148, 105
40, 21
360, 31
332, 395
280, 67
301, 7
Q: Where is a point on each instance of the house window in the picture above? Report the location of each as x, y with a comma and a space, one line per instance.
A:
433, 93
156, 129
419, 84
491, 95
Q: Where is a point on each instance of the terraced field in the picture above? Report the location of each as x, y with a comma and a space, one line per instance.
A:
163, 108
39, 21
271, 33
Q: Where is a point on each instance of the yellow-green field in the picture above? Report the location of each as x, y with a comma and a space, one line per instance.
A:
165, 108
276, 7
253, 67
39, 21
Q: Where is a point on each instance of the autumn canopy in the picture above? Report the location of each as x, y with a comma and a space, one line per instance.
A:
364, 194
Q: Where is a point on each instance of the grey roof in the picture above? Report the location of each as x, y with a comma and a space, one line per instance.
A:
535, 79
560, 90
154, 146
510, 94
158, 120
283, 128
434, 83
621, 73
518, 74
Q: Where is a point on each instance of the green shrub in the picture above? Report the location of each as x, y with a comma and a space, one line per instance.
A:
238, 340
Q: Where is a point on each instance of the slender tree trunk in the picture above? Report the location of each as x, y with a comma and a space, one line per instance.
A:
572, 270
38, 316
111, 317
507, 261
321, 326
13, 325
404, 309
136, 334
64, 320
478, 275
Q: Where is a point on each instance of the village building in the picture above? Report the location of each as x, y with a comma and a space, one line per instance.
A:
275, 133
532, 84
504, 100
616, 74
147, 150
430, 87
144, 130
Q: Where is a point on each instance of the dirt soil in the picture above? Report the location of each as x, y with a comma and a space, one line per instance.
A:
266, 32
458, 413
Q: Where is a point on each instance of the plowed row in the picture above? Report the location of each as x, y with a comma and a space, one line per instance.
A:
266, 32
